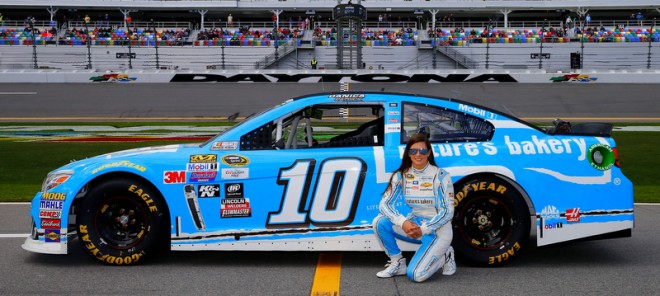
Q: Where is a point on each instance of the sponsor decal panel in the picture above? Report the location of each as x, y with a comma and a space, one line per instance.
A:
52, 235
235, 173
233, 189
197, 177
235, 207
51, 204
51, 223
50, 214
174, 177
211, 190
601, 157
226, 145
203, 158
53, 196
202, 167
550, 212
573, 215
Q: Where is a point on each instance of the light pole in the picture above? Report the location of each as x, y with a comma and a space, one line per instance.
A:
155, 43
34, 45
277, 41
130, 52
541, 49
222, 46
129, 37
648, 60
89, 43
490, 26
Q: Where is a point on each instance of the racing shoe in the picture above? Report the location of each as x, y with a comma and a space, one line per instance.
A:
393, 269
450, 263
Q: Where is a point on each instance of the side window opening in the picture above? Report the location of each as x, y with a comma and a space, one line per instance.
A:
321, 126
443, 125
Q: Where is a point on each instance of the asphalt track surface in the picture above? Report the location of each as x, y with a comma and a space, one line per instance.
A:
624, 266
211, 101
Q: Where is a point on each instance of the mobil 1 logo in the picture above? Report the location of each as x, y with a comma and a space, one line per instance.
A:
211, 190
233, 190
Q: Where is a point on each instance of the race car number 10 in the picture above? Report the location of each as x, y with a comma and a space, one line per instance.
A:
333, 199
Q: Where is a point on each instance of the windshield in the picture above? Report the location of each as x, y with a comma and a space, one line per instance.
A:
243, 121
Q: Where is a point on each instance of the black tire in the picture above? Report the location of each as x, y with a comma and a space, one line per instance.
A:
491, 222
121, 221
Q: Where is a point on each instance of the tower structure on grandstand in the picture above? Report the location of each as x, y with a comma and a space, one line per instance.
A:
348, 18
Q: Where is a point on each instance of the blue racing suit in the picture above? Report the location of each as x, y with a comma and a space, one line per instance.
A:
429, 193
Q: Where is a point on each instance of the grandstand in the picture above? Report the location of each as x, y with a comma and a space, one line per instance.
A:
273, 34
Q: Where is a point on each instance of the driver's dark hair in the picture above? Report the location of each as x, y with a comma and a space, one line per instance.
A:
406, 162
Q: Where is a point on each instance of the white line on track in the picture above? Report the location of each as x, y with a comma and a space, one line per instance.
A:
19, 93
16, 235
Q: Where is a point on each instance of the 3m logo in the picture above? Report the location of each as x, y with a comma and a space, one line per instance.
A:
174, 177
573, 215
203, 158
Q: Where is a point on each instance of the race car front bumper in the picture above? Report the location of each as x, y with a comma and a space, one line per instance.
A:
51, 241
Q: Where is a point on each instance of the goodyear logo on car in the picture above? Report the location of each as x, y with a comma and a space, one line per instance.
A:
203, 158
122, 163
235, 160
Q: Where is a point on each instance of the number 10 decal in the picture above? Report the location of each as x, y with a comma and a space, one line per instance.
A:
334, 198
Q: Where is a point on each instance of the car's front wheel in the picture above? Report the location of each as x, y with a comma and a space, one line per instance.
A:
491, 222
121, 221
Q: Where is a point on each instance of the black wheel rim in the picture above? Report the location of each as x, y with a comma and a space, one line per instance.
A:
485, 223
121, 222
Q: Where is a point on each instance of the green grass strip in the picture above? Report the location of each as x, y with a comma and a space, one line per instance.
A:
23, 165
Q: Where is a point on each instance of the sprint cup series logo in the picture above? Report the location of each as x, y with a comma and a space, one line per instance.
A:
235, 160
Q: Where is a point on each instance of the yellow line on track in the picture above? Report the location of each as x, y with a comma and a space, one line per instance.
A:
328, 274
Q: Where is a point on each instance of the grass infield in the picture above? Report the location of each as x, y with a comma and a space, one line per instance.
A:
24, 164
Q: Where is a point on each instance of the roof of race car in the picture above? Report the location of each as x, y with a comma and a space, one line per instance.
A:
357, 96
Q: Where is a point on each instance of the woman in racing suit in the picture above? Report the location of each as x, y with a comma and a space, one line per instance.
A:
428, 191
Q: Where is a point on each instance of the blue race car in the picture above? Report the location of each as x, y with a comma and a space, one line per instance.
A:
308, 175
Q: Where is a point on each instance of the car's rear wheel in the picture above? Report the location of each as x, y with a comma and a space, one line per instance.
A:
491, 222
121, 221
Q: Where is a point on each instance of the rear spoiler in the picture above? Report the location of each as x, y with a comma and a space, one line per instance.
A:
600, 129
